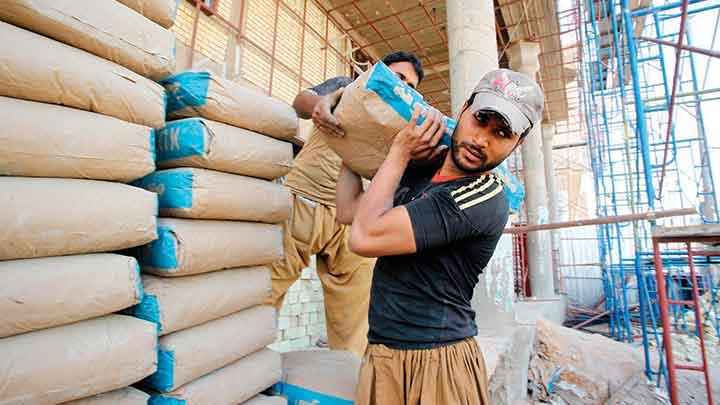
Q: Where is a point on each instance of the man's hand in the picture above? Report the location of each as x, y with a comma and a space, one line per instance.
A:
322, 115
421, 142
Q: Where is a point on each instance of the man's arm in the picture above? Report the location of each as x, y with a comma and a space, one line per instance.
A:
347, 197
378, 228
318, 102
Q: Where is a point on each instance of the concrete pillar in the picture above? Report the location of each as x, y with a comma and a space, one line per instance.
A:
523, 58
473, 52
548, 131
471, 44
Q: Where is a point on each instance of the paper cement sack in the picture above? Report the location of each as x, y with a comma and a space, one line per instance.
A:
33, 67
373, 109
162, 12
52, 217
46, 140
42, 293
266, 400
208, 194
197, 142
182, 302
123, 396
319, 375
203, 94
236, 382
191, 246
107, 29
191, 353
75, 361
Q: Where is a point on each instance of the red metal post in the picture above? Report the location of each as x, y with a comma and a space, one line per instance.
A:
699, 324
665, 318
671, 107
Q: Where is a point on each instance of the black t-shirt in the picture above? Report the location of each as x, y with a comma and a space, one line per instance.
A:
422, 300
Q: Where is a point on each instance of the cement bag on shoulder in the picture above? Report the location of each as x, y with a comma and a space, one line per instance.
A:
42, 293
33, 67
208, 194
107, 29
373, 109
162, 12
191, 353
123, 396
53, 217
203, 94
236, 382
320, 376
75, 361
46, 140
266, 400
197, 142
187, 246
182, 302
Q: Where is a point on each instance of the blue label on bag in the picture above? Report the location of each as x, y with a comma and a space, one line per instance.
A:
173, 187
163, 379
179, 139
187, 89
161, 253
300, 396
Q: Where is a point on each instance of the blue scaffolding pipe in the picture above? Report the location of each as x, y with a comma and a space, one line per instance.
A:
639, 105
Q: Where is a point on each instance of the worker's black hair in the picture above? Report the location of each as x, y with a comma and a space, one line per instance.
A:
401, 56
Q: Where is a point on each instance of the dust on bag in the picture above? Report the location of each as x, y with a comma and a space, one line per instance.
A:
182, 302
202, 143
75, 361
128, 38
186, 246
204, 94
87, 145
191, 353
53, 217
208, 194
373, 109
35, 293
37, 68
236, 382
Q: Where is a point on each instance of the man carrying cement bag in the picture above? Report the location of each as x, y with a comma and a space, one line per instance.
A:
434, 228
312, 228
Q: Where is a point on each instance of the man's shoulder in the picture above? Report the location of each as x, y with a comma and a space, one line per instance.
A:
480, 199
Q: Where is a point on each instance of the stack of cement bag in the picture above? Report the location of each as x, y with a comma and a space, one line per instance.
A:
78, 112
205, 276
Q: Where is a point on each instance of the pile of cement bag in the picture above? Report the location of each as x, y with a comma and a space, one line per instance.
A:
79, 109
205, 277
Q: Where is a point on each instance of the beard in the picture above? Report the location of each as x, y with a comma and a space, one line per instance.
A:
486, 165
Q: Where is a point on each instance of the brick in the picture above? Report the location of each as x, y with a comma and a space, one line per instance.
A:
283, 322
304, 319
281, 346
294, 309
300, 343
296, 332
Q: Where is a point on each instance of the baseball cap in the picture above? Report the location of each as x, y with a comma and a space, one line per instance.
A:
513, 95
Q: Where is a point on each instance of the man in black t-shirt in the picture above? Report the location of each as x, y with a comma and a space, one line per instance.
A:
434, 227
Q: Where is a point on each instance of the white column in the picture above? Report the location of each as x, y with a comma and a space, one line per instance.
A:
473, 52
523, 58
471, 44
548, 131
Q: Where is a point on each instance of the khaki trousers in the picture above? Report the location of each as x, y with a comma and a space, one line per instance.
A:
448, 375
345, 276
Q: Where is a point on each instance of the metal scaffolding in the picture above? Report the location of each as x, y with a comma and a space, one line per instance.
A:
643, 108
